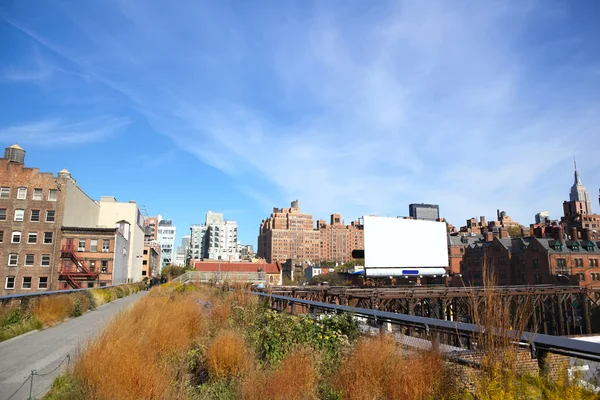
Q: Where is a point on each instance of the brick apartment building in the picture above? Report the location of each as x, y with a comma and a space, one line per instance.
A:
338, 240
288, 234
36, 210
239, 271
102, 251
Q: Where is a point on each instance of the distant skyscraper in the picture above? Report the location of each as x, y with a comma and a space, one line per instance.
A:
580, 193
424, 211
542, 217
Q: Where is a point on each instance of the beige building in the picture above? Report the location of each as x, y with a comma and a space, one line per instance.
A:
113, 212
288, 234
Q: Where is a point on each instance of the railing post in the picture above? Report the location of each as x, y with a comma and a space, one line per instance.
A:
586, 313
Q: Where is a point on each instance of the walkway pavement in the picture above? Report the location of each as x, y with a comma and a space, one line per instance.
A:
46, 350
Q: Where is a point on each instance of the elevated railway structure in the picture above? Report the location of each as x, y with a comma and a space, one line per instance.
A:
552, 310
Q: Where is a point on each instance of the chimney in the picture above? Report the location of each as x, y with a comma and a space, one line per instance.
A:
504, 233
498, 214
586, 234
558, 233
574, 233
489, 236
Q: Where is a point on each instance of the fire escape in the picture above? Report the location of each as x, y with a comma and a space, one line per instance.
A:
72, 269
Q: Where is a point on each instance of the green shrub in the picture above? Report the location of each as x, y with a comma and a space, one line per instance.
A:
77, 309
119, 292
20, 328
275, 334
13, 317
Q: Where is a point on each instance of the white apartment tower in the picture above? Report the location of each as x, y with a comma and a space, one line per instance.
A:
166, 237
217, 239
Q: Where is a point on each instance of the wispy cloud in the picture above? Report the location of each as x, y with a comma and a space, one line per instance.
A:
56, 132
356, 110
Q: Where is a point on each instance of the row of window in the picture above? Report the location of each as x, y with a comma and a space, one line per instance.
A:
96, 245
26, 282
38, 193
35, 215
13, 260
32, 237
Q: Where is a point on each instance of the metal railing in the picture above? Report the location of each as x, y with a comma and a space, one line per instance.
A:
536, 342
205, 277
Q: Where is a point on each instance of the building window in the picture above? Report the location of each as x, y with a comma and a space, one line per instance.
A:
43, 282
94, 245
1, 236
37, 194
104, 268
16, 237
19, 215
26, 282
2, 214
92, 266
47, 237
81, 245
144, 273
580, 277
593, 262
9, 283
561, 263
145, 251
50, 214
32, 237
35, 215
4, 192
22, 193
538, 278
13, 259
29, 260
105, 246
536, 263
45, 260
52, 195
145, 262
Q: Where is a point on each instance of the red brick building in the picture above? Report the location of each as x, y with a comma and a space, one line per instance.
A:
32, 206
338, 240
239, 271
289, 234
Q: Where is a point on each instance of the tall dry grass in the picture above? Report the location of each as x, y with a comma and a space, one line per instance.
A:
500, 324
297, 377
139, 355
53, 309
377, 369
227, 355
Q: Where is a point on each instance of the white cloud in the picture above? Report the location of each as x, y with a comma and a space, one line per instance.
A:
55, 132
352, 111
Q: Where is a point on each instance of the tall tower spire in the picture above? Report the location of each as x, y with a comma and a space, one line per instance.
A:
579, 192
577, 179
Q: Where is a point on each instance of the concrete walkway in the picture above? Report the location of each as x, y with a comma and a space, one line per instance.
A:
46, 350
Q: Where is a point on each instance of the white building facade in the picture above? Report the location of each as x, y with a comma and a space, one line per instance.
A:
217, 239
166, 237
113, 213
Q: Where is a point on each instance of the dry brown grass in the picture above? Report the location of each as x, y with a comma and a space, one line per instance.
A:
53, 309
138, 356
227, 355
220, 313
295, 378
376, 369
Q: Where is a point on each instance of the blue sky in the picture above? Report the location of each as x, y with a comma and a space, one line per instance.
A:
357, 107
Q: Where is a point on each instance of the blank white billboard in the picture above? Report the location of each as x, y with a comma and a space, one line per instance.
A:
404, 243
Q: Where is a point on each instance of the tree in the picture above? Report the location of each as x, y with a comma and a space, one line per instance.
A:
170, 272
515, 231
